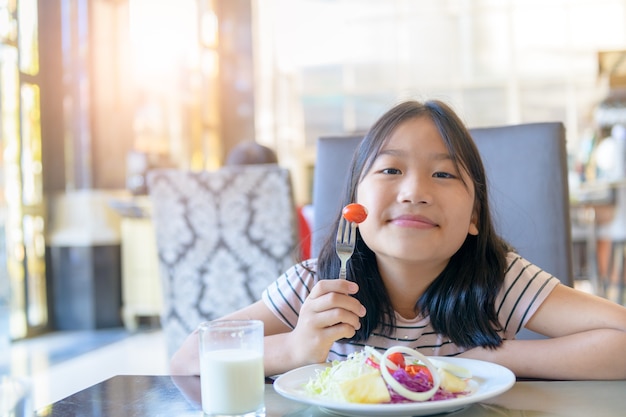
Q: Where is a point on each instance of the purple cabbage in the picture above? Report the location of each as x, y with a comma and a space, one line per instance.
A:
418, 383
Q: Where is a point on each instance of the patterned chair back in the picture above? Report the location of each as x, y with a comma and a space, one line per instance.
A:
222, 237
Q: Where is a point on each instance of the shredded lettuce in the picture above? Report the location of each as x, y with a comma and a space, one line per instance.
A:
326, 383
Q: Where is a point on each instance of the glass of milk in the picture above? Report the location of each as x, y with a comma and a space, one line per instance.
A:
232, 378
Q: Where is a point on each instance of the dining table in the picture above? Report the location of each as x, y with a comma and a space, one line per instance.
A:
162, 395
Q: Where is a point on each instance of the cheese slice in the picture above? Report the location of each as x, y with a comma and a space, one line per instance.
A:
368, 388
451, 382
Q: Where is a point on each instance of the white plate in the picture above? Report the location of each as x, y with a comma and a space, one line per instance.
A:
488, 380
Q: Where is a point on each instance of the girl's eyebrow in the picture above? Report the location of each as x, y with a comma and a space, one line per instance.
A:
436, 156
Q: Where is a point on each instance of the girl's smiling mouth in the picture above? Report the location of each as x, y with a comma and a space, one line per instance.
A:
413, 220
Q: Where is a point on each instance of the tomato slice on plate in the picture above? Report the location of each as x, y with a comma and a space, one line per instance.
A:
397, 359
355, 213
415, 369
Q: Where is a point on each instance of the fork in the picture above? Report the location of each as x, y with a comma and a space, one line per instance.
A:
345, 243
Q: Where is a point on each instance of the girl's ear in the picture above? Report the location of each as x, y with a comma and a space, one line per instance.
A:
473, 226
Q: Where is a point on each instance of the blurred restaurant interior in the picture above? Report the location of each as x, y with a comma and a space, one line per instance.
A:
95, 93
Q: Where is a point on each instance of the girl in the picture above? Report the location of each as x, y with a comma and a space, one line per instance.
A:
430, 272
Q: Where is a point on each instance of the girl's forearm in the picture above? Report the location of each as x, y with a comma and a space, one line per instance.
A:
277, 356
186, 360
284, 352
594, 354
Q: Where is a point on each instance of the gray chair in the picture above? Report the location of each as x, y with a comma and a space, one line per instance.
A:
222, 237
526, 168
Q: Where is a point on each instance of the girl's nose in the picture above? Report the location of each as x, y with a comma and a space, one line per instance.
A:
415, 190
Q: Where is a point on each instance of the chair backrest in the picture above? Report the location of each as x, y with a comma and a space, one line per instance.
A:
222, 237
526, 167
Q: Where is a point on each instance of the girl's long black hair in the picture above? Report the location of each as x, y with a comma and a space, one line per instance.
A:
461, 300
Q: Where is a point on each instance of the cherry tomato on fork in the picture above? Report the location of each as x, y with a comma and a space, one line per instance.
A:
355, 213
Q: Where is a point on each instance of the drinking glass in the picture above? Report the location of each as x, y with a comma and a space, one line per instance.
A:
232, 378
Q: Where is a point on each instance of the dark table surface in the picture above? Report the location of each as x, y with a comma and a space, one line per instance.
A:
143, 396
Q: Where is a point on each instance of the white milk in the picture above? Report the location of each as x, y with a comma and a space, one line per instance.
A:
232, 381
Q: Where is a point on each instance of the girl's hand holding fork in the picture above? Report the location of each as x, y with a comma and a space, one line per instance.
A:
328, 314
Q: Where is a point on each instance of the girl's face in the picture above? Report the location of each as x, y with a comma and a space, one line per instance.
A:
420, 208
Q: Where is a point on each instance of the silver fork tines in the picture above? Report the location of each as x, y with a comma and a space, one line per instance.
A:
344, 246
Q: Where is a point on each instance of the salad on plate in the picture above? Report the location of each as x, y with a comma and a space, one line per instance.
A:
399, 375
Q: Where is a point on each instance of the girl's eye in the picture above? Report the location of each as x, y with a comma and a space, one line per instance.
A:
443, 175
391, 171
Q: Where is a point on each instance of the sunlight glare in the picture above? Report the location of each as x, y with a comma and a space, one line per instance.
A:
163, 38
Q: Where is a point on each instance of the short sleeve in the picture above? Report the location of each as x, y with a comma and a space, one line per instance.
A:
285, 296
526, 286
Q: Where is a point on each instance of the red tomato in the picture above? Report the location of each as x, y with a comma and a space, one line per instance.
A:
397, 359
415, 369
354, 213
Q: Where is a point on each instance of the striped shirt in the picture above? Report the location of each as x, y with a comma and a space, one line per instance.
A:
525, 287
